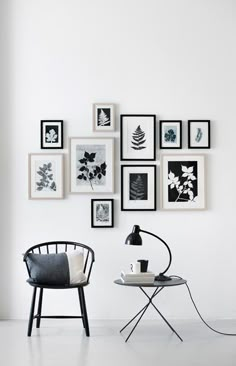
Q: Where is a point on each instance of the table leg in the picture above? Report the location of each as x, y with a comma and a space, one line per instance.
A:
143, 310
162, 316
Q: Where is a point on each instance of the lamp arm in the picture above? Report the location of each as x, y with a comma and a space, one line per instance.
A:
155, 236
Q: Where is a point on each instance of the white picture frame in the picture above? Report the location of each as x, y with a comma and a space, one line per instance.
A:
103, 117
183, 182
91, 165
45, 173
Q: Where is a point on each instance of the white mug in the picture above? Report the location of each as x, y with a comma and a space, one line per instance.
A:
135, 267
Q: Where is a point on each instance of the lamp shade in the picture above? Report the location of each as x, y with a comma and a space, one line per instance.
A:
134, 238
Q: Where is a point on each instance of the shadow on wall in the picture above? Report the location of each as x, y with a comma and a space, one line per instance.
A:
5, 159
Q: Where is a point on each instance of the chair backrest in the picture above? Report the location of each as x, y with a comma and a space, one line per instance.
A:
63, 246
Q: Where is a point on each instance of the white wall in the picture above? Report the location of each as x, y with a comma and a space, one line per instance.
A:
175, 59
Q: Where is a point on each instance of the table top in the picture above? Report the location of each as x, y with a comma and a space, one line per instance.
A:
172, 282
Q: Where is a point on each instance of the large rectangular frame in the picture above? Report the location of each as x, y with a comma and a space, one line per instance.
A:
185, 175
91, 165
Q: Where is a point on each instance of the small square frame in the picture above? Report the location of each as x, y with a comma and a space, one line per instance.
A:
103, 117
143, 183
170, 134
199, 134
103, 221
51, 130
45, 173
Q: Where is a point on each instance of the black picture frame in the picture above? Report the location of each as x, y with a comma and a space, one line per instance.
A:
139, 122
173, 135
150, 191
198, 128
111, 216
55, 138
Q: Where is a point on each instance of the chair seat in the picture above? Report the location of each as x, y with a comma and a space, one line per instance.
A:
66, 286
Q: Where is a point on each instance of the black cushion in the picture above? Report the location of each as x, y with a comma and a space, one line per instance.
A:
51, 269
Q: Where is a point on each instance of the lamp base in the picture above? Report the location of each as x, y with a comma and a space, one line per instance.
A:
162, 278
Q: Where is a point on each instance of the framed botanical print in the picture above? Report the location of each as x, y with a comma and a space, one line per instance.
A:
138, 188
103, 117
102, 214
91, 165
51, 134
45, 176
170, 134
199, 134
183, 182
138, 137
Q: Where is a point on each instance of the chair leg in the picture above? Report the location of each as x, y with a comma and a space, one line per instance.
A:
81, 307
31, 316
85, 315
38, 321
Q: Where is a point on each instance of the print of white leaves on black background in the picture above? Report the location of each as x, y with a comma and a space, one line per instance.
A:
138, 139
51, 134
104, 117
182, 181
46, 178
138, 186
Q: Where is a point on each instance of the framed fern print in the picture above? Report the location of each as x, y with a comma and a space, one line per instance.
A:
183, 182
102, 215
138, 188
103, 117
91, 165
45, 176
138, 137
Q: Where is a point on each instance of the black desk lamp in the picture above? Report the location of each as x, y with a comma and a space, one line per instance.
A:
135, 239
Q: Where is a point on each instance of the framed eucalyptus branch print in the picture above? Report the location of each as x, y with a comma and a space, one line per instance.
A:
183, 182
199, 134
51, 134
45, 176
91, 165
138, 137
102, 214
170, 134
103, 117
138, 188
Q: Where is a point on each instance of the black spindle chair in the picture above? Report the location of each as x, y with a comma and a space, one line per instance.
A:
59, 247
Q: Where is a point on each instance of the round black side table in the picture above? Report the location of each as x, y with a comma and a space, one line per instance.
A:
158, 287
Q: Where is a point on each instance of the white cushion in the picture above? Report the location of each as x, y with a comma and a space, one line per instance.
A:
76, 265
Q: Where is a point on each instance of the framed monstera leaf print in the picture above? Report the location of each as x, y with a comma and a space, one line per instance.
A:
138, 188
183, 182
91, 165
138, 137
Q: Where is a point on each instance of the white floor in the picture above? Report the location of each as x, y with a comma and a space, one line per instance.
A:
63, 343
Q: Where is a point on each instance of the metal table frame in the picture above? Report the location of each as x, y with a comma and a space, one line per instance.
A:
159, 286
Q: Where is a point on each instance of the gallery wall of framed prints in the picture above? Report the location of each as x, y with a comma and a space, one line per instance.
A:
180, 180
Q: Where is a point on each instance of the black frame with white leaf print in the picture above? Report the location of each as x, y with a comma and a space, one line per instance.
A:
144, 184
139, 137
58, 125
94, 223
